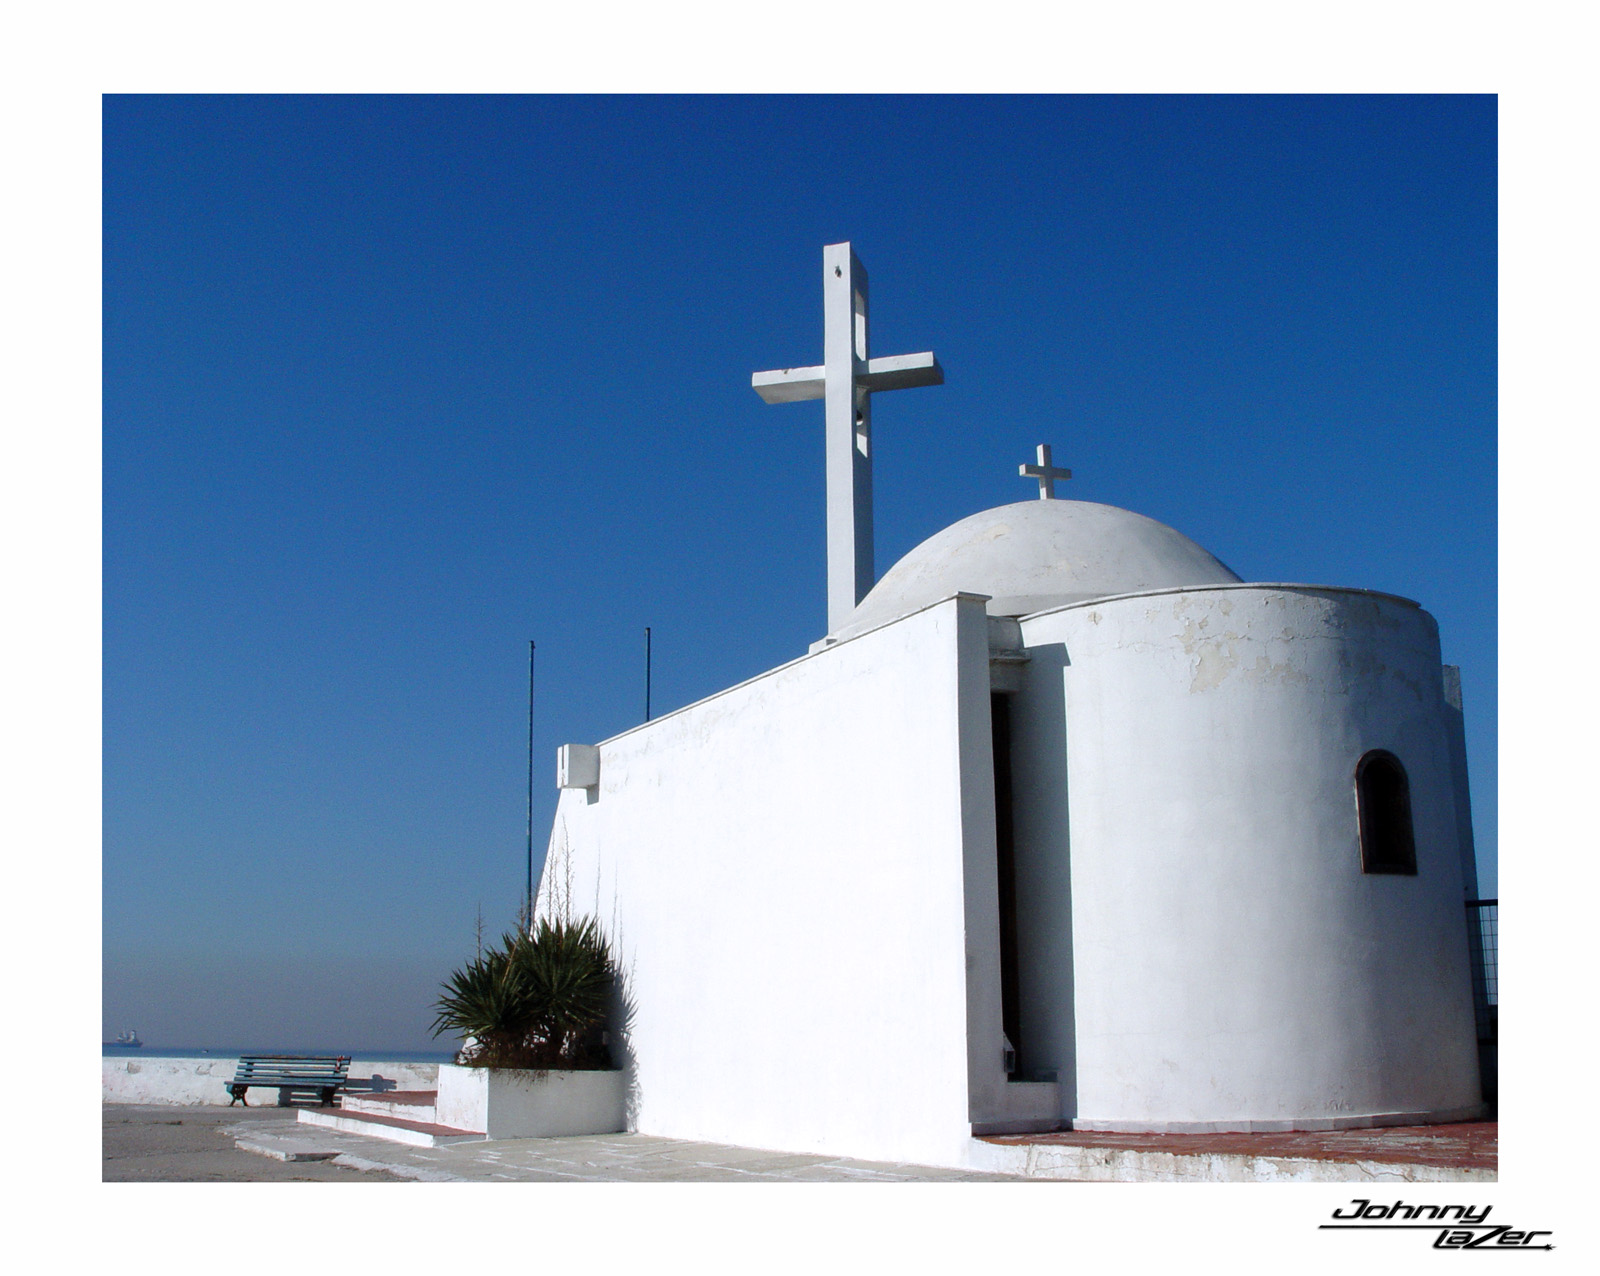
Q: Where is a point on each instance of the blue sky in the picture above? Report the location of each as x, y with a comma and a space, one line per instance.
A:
393, 385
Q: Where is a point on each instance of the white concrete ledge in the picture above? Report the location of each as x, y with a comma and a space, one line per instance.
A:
1360, 1121
1129, 1165
397, 1132
203, 1079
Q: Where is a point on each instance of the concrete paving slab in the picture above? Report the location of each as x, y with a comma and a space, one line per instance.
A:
160, 1143
283, 1150
596, 1158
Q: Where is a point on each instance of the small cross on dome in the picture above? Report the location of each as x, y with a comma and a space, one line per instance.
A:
1046, 473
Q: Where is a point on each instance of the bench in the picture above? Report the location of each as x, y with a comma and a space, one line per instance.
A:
325, 1074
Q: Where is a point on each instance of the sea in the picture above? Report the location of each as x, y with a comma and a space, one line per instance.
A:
111, 1051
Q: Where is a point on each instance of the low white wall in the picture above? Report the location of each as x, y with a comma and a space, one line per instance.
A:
203, 1079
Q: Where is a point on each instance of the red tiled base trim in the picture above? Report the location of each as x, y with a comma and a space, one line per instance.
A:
411, 1098
1469, 1145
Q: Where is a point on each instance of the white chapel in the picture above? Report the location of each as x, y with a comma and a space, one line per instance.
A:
1061, 825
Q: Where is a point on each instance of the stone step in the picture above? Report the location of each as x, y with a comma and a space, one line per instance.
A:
422, 1134
408, 1105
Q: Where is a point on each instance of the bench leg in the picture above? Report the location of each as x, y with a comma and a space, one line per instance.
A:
237, 1091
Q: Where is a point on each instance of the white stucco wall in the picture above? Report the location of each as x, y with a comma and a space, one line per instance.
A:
203, 1079
780, 869
1186, 812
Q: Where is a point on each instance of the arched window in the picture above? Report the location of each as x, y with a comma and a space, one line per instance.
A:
1383, 798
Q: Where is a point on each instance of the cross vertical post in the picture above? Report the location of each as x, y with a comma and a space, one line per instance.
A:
847, 431
846, 381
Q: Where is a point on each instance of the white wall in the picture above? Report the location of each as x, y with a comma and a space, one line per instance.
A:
780, 869
203, 1080
1230, 965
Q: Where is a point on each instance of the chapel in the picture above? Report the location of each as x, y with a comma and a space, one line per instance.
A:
1061, 825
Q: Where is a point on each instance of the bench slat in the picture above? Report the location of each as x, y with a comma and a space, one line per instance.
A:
291, 1072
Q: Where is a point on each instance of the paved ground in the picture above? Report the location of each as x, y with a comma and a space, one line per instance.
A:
151, 1144
194, 1144
217, 1144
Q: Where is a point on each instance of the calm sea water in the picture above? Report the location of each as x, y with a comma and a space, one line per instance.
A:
233, 1052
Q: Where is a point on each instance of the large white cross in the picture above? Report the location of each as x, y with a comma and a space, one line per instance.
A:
846, 381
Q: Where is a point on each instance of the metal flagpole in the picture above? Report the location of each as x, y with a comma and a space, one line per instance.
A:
647, 673
529, 902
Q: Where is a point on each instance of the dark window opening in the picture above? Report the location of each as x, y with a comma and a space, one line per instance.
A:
1005, 855
1383, 798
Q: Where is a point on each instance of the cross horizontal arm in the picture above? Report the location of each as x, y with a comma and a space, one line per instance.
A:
894, 372
789, 385
902, 372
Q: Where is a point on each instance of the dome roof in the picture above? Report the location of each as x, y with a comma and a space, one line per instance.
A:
1039, 554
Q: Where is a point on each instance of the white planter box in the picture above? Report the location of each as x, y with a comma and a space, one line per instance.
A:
509, 1103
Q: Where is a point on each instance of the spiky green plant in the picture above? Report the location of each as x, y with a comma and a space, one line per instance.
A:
566, 967
536, 1001
486, 1001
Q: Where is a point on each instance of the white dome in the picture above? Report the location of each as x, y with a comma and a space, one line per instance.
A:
1039, 554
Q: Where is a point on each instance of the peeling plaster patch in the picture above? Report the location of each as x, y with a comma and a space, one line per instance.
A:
1195, 633
1214, 663
1271, 672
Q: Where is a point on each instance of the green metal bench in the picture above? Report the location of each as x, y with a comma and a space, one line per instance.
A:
286, 1073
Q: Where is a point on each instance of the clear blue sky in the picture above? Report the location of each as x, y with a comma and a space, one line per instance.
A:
393, 385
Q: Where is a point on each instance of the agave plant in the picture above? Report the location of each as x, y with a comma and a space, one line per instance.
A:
536, 1001
486, 1002
566, 969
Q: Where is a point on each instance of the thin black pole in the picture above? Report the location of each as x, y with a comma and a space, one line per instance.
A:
529, 902
647, 673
